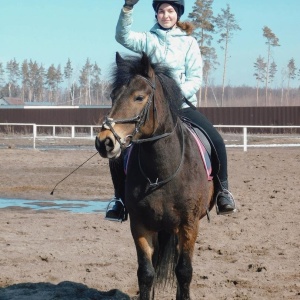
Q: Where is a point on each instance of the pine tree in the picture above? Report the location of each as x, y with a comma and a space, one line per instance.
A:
260, 74
272, 41
13, 71
291, 74
226, 24
203, 20
68, 73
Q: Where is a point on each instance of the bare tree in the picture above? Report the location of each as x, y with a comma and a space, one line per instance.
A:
272, 41
226, 24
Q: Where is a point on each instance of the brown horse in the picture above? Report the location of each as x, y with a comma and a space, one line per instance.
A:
167, 191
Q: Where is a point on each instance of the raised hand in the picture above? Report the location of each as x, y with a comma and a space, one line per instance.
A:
130, 3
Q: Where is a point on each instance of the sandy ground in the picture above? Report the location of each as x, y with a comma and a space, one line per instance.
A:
253, 254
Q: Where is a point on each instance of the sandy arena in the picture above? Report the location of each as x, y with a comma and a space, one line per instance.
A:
253, 254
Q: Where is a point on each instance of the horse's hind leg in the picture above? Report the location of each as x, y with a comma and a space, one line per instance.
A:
146, 272
184, 269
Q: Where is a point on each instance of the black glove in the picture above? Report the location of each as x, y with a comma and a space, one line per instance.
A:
130, 3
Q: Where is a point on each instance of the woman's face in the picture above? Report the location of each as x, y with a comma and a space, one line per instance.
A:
166, 16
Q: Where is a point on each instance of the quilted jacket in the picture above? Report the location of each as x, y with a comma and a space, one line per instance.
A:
172, 47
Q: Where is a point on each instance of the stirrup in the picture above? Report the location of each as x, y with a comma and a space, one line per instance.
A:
217, 207
123, 216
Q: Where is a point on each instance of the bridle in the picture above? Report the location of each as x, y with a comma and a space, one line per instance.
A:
139, 121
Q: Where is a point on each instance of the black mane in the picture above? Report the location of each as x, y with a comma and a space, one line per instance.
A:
132, 65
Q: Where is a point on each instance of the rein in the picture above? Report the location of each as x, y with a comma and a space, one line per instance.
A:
156, 184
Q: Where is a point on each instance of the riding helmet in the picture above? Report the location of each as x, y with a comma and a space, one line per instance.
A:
179, 4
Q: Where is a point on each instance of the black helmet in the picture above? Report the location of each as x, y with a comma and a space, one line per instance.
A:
178, 3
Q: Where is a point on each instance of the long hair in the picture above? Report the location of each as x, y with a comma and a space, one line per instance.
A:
188, 27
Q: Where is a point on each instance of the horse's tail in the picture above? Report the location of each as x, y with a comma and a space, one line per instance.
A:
165, 258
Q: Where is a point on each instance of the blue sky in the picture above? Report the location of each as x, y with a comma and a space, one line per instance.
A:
53, 31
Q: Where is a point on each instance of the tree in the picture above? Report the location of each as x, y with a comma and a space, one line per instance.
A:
85, 81
260, 73
68, 73
273, 71
291, 74
1, 76
226, 24
96, 82
203, 19
25, 80
39, 83
12, 68
54, 78
272, 41
209, 63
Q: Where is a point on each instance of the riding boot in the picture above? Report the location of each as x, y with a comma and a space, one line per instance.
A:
117, 211
225, 203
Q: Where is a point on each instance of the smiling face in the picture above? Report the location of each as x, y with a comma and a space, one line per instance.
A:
166, 16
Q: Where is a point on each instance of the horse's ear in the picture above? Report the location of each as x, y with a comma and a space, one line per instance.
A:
147, 65
119, 59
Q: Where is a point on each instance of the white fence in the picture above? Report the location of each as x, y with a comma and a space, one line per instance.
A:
73, 134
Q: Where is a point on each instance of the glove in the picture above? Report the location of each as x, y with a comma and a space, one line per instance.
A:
130, 3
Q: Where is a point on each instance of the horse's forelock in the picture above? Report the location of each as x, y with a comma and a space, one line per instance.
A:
131, 66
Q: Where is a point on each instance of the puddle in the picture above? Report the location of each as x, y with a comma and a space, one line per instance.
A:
74, 206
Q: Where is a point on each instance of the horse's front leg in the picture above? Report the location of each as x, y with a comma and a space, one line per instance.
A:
184, 269
144, 246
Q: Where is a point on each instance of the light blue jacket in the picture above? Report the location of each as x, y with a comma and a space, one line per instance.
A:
172, 47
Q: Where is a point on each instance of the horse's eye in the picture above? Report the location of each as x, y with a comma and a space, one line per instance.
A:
139, 98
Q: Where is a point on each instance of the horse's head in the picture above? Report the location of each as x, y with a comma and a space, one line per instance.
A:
136, 99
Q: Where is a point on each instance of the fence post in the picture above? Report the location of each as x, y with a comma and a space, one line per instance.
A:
245, 138
34, 134
73, 131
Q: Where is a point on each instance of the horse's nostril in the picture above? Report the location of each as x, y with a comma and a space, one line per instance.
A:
109, 143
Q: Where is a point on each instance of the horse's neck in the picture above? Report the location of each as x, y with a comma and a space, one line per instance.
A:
157, 156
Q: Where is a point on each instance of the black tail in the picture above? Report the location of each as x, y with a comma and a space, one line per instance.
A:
165, 259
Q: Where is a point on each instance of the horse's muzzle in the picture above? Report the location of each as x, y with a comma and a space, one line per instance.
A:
100, 146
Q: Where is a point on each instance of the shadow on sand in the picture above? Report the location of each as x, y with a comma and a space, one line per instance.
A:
65, 290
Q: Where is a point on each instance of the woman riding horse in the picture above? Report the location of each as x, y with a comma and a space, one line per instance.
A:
169, 41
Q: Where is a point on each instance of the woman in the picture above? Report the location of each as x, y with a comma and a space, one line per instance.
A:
169, 41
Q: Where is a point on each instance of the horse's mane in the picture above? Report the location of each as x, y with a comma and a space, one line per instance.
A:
131, 66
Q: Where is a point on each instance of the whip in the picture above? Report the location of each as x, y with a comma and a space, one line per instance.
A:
72, 173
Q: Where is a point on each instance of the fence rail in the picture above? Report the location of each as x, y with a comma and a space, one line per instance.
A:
69, 131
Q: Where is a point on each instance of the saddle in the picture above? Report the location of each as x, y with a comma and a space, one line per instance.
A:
205, 146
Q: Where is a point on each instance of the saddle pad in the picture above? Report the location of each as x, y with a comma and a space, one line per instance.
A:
203, 153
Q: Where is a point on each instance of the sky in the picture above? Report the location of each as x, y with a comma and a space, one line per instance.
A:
52, 31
